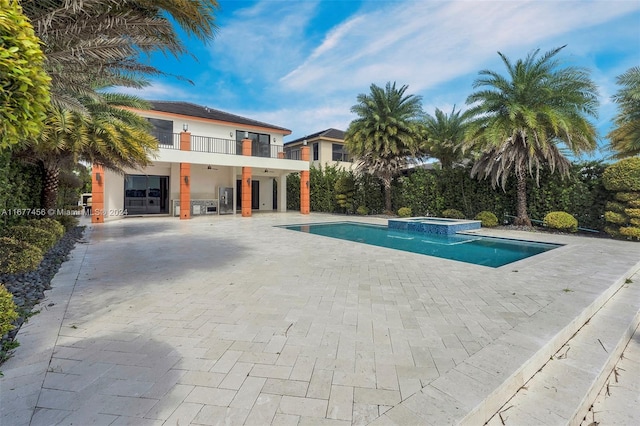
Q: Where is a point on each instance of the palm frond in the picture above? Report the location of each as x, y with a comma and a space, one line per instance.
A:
625, 136
89, 41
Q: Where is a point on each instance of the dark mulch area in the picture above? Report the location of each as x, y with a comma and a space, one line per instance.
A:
28, 287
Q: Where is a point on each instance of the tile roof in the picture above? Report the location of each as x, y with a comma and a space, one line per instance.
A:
193, 110
328, 133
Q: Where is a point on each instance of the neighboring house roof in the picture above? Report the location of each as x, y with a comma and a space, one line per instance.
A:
193, 110
326, 134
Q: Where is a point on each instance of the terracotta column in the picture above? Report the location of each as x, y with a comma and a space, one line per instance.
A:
304, 183
246, 181
185, 178
97, 194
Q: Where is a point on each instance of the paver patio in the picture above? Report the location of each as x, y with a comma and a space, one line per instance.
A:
230, 320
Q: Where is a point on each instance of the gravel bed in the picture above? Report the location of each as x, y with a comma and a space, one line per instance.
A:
28, 287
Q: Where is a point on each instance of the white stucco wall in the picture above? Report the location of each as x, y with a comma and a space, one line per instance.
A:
113, 195
325, 156
266, 193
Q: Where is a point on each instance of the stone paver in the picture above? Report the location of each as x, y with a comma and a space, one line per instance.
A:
619, 401
230, 319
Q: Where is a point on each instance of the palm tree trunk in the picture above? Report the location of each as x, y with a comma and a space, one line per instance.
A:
387, 195
522, 218
50, 186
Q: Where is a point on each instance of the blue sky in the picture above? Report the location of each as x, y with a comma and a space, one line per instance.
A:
301, 64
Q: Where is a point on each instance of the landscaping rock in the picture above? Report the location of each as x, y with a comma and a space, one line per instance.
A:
28, 287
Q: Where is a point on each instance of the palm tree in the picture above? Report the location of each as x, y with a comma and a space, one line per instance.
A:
386, 132
94, 44
625, 137
89, 42
108, 135
445, 135
521, 118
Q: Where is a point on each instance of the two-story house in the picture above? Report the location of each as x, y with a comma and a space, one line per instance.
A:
208, 162
326, 148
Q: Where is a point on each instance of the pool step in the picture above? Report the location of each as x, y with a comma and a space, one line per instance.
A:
544, 371
562, 392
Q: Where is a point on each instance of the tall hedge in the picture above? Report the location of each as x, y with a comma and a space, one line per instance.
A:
20, 187
293, 191
582, 194
430, 192
623, 214
370, 193
322, 181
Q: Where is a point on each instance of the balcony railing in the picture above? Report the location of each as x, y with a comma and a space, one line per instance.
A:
293, 154
276, 151
168, 140
214, 145
218, 146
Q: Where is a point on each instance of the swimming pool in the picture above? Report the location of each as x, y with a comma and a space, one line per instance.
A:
479, 250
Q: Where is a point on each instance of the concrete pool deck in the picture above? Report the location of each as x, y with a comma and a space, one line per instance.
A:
230, 320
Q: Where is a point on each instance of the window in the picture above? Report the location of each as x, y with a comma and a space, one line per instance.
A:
162, 130
316, 155
260, 143
339, 153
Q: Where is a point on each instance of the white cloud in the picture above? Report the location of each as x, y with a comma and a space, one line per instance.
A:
308, 120
426, 43
156, 91
259, 41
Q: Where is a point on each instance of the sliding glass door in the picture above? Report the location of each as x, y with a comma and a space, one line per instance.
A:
144, 194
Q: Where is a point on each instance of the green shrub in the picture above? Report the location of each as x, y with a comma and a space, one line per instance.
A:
613, 231
630, 232
561, 221
452, 214
613, 206
8, 312
632, 212
362, 210
404, 212
18, 256
635, 221
615, 217
345, 191
47, 224
40, 238
623, 176
24, 83
67, 221
488, 219
627, 196
634, 203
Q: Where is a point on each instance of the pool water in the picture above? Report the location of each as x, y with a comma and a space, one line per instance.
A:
479, 250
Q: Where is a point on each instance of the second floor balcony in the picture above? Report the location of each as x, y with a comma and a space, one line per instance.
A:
219, 146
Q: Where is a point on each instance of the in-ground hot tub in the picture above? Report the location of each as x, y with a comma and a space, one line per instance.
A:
434, 225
